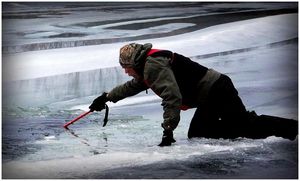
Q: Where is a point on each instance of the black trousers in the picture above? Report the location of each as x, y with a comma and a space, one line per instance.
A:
225, 116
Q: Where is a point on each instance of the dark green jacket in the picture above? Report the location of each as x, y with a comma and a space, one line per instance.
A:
159, 74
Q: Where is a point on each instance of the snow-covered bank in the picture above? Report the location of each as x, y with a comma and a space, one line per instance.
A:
244, 34
69, 24
54, 75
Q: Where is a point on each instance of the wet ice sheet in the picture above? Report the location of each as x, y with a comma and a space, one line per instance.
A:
197, 158
126, 148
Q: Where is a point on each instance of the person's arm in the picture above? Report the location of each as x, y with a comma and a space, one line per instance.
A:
161, 80
127, 89
130, 88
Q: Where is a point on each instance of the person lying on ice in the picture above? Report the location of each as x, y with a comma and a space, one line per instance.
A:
183, 84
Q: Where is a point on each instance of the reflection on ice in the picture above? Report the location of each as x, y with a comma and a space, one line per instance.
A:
48, 138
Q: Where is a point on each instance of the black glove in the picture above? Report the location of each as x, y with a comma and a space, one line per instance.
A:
167, 138
99, 103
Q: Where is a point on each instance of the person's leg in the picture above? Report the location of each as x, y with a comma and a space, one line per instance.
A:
221, 115
225, 116
203, 124
248, 124
264, 126
207, 122
282, 127
232, 112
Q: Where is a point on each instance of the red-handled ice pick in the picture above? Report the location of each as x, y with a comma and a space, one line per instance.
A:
86, 113
76, 119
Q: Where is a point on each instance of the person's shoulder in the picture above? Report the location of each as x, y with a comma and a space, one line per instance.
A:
156, 61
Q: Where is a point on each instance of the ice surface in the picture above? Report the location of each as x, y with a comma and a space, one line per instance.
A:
36, 146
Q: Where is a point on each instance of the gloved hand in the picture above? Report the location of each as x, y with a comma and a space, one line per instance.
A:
99, 103
167, 138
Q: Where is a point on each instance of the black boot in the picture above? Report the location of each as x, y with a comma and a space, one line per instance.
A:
281, 127
264, 125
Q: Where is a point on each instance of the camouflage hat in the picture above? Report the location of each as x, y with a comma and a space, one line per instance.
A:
126, 55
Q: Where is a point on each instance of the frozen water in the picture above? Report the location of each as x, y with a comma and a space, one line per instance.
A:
54, 86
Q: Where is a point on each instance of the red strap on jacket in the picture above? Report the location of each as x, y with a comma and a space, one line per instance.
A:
184, 107
152, 51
